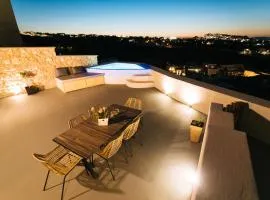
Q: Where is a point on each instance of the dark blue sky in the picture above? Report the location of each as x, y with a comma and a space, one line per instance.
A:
145, 17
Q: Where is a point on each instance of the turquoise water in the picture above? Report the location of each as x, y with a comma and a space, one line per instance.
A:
120, 66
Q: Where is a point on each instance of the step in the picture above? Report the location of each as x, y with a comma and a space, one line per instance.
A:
141, 77
139, 84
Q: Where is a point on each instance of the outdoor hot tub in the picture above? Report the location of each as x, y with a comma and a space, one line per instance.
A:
119, 73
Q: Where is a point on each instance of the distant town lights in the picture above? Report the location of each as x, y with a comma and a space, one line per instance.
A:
172, 38
172, 69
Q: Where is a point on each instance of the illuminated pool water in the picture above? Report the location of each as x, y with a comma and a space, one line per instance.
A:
118, 73
120, 66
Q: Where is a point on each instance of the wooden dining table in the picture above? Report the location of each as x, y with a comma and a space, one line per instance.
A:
88, 138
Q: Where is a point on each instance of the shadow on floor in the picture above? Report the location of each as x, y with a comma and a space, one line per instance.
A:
258, 131
260, 155
146, 160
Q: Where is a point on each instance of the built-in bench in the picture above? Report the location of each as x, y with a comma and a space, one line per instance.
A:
225, 166
75, 78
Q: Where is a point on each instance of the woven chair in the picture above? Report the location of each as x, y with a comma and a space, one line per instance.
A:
56, 152
76, 120
130, 132
109, 150
134, 103
60, 163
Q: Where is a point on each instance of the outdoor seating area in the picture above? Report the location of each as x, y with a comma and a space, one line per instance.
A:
74, 78
86, 137
126, 159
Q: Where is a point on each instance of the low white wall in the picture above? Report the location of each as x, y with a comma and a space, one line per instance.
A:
224, 167
200, 95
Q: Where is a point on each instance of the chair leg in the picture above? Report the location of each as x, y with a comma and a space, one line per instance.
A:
128, 148
92, 160
141, 123
126, 152
48, 173
113, 163
110, 169
140, 140
63, 187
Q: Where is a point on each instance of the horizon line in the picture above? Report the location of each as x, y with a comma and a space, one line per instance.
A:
123, 35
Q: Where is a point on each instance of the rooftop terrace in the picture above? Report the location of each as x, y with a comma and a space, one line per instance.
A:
29, 123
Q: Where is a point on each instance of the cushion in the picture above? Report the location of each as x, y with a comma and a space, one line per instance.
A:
76, 70
74, 76
61, 72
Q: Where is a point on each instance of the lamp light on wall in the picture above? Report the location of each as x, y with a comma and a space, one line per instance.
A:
190, 96
15, 90
167, 86
13, 84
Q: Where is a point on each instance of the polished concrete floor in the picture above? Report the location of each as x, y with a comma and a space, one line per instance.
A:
161, 169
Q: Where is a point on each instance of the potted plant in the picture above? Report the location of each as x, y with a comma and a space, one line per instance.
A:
101, 114
28, 76
196, 128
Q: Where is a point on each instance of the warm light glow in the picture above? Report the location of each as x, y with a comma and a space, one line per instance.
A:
13, 84
16, 90
190, 96
250, 73
182, 178
188, 111
168, 87
172, 69
18, 98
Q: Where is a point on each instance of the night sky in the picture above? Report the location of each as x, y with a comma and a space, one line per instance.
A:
145, 17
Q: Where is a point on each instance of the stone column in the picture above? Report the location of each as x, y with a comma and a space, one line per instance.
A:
9, 32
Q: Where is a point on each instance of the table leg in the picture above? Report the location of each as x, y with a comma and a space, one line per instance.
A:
89, 167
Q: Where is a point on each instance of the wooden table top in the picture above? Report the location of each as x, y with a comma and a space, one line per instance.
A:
87, 137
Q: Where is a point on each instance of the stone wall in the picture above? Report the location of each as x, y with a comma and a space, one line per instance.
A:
74, 61
42, 61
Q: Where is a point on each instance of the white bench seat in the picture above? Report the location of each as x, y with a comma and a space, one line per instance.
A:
79, 81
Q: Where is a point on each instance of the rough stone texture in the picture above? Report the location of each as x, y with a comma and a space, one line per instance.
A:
74, 61
42, 61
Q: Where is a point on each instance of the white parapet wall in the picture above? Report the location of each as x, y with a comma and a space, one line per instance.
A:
199, 95
224, 169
